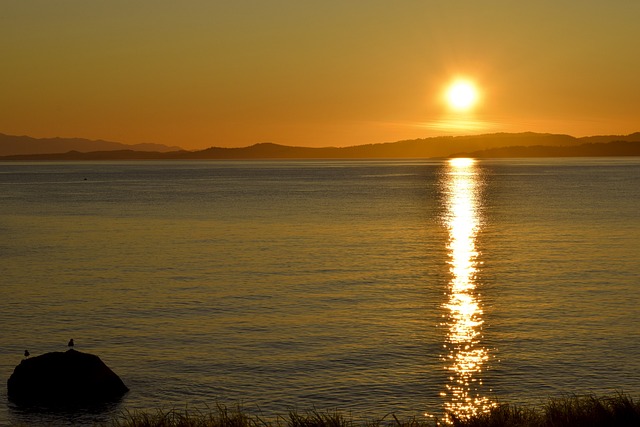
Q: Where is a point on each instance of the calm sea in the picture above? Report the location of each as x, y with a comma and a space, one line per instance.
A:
370, 287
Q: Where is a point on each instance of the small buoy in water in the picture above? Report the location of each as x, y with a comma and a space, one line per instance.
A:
70, 345
26, 353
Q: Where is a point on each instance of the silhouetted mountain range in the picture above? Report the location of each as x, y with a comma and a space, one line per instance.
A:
11, 145
526, 144
598, 149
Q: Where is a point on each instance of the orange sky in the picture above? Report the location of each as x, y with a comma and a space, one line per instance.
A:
328, 73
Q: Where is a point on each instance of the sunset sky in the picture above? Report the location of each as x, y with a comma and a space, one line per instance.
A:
324, 73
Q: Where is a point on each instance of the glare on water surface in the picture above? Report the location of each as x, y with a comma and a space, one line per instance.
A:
465, 354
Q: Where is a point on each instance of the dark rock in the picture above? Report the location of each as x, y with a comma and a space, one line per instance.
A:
65, 378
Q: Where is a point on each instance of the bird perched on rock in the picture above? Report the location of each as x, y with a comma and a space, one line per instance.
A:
26, 353
70, 345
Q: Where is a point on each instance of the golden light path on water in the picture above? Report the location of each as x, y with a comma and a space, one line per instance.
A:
465, 355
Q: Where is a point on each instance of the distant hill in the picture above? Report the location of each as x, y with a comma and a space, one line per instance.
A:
11, 145
443, 146
526, 144
599, 149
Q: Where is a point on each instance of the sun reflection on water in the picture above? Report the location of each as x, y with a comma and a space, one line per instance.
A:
465, 355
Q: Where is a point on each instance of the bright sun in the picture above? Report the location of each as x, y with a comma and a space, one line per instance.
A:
461, 95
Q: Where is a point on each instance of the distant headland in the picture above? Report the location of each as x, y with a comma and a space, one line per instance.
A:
496, 145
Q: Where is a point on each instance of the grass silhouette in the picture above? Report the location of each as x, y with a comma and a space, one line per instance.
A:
571, 411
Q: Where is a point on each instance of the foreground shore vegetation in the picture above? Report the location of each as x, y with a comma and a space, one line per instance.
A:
570, 411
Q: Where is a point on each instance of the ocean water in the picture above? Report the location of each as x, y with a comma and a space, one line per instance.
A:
414, 287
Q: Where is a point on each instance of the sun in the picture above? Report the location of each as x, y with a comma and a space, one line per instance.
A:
461, 95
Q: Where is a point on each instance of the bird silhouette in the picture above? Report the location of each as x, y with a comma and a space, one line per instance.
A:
70, 345
26, 353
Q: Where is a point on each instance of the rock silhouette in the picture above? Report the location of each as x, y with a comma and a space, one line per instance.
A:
64, 378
